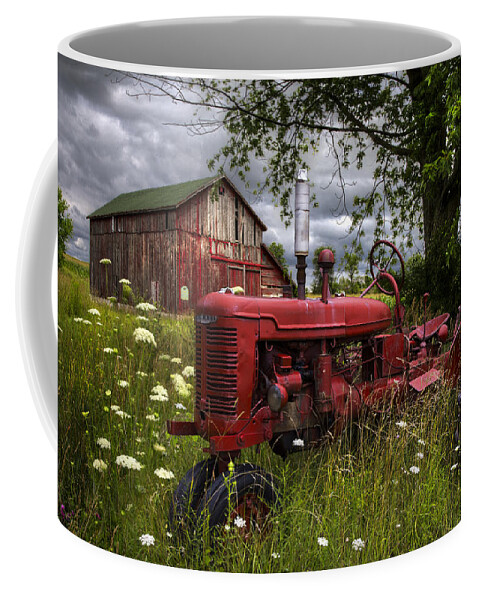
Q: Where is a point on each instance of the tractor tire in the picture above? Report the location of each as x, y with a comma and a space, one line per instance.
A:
242, 499
188, 494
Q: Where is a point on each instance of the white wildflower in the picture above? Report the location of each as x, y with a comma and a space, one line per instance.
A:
141, 374
164, 357
114, 408
144, 335
298, 442
176, 360
94, 311
454, 466
181, 387
422, 442
128, 462
125, 281
227, 527
239, 522
147, 540
123, 384
108, 350
169, 534
275, 555
164, 473
159, 448
457, 448
122, 414
105, 261
152, 418
420, 455
401, 424
322, 541
80, 320
358, 544
142, 318
188, 372
100, 465
103, 443
146, 306
414, 469
159, 394
180, 406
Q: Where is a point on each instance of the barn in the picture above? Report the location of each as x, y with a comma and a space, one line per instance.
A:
179, 242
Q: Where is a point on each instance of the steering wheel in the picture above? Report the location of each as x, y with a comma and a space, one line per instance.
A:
382, 258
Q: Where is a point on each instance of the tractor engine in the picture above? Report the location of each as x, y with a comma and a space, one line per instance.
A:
270, 368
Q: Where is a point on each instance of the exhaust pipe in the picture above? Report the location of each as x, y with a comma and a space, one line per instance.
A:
301, 229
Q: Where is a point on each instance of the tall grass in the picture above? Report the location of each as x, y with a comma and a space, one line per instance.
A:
358, 487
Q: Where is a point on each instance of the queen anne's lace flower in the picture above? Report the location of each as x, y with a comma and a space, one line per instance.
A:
188, 372
94, 311
105, 261
181, 387
100, 465
322, 541
147, 540
103, 443
146, 306
164, 473
144, 335
159, 394
239, 522
128, 462
414, 469
123, 384
358, 544
298, 442
125, 281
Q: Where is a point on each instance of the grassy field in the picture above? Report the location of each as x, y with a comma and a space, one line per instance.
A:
392, 481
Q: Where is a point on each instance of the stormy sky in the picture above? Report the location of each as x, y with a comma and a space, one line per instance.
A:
111, 143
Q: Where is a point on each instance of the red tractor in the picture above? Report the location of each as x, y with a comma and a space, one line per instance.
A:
290, 371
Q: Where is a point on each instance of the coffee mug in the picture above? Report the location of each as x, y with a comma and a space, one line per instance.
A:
226, 403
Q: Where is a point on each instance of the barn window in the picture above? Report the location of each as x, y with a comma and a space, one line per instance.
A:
222, 190
236, 219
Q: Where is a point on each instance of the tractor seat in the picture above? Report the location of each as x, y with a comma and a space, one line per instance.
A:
432, 327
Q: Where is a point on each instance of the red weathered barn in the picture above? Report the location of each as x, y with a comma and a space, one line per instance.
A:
179, 242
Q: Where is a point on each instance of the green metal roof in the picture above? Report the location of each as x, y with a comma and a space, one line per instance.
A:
153, 198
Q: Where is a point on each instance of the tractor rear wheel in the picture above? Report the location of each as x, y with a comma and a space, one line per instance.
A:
242, 498
188, 494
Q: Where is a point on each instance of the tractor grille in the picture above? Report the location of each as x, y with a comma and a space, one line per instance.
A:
219, 373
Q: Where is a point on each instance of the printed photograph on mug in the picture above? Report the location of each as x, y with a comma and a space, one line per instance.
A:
259, 313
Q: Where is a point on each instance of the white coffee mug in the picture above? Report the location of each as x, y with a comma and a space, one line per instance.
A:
145, 110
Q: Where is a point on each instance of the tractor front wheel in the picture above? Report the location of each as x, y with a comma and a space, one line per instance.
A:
241, 499
188, 494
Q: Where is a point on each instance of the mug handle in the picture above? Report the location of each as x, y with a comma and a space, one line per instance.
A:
35, 321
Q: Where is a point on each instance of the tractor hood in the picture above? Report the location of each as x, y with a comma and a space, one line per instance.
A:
287, 318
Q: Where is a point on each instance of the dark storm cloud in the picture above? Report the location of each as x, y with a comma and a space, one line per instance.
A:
111, 143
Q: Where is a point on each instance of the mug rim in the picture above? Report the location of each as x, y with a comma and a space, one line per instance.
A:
66, 48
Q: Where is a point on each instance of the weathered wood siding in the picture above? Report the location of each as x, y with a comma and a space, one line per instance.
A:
210, 241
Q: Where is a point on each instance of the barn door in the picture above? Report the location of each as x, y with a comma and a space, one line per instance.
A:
236, 276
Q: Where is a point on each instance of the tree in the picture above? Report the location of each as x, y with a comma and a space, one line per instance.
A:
350, 263
408, 122
65, 226
277, 250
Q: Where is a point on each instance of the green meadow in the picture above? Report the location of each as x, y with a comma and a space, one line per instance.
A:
388, 485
